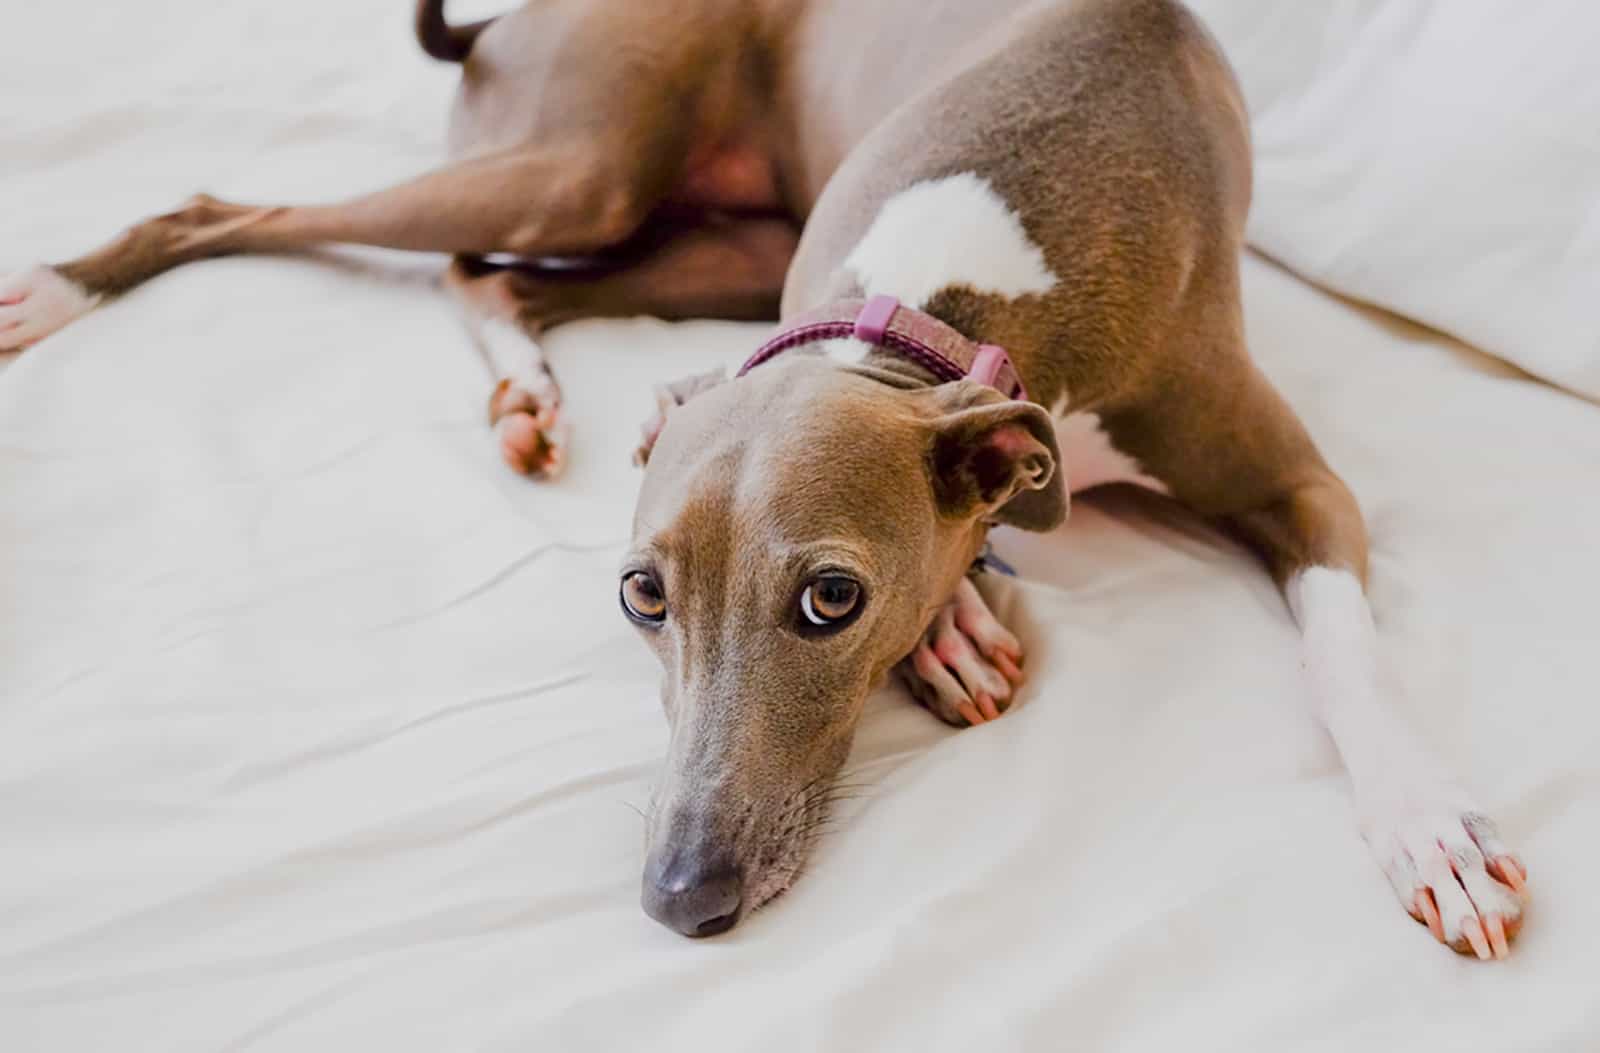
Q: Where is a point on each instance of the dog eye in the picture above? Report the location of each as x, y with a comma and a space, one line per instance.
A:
642, 599
830, 600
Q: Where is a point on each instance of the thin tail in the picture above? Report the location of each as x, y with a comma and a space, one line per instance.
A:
439, 38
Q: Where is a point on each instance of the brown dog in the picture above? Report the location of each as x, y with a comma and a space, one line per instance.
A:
1068, 181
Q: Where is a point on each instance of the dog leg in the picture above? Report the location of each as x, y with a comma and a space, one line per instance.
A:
1442, 855
538, 202
1244, 461
968, 665
35, 303
574, 144
707, 267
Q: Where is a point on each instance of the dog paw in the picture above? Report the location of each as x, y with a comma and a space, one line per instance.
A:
37, 302
967, 666
531, 429
1452, 873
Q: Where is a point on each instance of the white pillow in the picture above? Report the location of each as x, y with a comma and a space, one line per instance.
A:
1438, 159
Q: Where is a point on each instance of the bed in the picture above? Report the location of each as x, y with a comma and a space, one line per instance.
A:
319, 729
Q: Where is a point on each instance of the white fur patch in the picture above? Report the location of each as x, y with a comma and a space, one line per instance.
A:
1339, 642
516, 357
1089, 458
944, 232
847, 350
37, 302
1339, 654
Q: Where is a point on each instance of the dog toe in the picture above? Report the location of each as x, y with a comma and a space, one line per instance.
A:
1472, 902
937, 688
37, 302
528, 448
973, 617
530, 428
963, 678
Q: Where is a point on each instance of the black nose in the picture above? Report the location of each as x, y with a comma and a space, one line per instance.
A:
692, 895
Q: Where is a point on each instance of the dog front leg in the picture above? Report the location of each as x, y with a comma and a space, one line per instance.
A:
692, 266
1442, 855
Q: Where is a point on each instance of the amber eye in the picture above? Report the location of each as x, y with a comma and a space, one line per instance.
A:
829, 600
642, 598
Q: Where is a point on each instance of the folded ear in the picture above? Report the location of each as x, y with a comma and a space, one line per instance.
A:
668, 398
997, 459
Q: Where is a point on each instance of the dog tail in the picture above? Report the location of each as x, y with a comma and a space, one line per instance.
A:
439, 38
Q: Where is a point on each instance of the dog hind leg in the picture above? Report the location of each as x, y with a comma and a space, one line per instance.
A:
543, 201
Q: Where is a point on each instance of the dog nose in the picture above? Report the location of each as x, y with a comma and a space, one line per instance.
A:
691, 895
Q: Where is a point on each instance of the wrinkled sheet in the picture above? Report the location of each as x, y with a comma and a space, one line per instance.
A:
320, 730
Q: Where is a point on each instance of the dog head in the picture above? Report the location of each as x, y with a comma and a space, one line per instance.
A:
796, 531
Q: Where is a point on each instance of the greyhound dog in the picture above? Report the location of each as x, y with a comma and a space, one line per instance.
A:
1003, 240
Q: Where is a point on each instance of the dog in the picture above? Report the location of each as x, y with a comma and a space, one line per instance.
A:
1003, 241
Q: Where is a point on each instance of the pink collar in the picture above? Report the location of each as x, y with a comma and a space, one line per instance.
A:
883, 322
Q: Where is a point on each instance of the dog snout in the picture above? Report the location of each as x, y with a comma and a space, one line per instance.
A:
694, 893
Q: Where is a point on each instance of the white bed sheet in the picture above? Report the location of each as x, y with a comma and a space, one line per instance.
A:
1437, 159
320, 730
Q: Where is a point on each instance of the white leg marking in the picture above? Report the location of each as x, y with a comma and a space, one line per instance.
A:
1089, 459
1418, 821
950, 231
967, 665
526, 405
37, 302
517, 357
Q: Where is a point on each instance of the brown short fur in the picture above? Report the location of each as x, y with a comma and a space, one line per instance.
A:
686, 143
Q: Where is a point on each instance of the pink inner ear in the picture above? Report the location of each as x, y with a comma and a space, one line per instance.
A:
1014, 446
1013, 440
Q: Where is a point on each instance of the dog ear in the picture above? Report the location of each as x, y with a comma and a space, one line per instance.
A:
668, 398
997, 459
